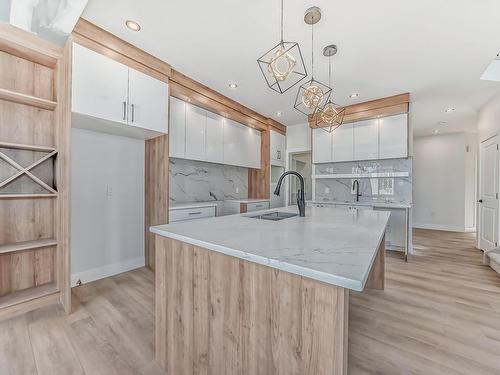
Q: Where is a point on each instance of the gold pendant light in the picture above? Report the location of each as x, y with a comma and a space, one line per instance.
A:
332, 115
283, 66
312, 95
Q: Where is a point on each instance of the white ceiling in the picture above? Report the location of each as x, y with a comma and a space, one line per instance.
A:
434, 49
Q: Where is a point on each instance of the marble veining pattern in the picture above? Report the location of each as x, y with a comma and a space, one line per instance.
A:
331, 245
196, 181
397, 189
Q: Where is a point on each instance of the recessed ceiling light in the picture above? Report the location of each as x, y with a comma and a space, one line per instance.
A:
436, 131
355, 95
448, 110
279, 113
132, 25
233, 85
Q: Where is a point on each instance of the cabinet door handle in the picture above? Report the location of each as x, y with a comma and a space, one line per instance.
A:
195, 213
124, 110
133, 112
279, 155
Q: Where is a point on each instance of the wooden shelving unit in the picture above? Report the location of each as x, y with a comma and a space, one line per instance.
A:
34, 147
33, 101
27, 245
27, 295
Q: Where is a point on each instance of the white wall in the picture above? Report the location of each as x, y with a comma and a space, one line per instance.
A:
489, 119
444, 181
107, 205
298, 137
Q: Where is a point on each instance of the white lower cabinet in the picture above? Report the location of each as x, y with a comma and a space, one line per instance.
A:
190, 213
257, 206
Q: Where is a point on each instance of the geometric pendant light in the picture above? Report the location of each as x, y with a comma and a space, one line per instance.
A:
332, 114
312, 95
283, 66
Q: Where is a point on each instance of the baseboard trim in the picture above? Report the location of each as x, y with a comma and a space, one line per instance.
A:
447, 228
108, 270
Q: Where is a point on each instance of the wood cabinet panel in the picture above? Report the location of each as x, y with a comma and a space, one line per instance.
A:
222, 315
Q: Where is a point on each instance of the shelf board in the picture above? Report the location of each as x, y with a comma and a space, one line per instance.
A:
33, 101
362, 175
27, 196
19, 146
26, 295
27, 245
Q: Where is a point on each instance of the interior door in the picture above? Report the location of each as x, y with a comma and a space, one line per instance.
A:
489, 179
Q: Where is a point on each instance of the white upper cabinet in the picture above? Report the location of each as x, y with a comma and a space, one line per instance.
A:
233, 137
322, 146
198, 134
99, 85
108, 90
277, 148
366, 140
177, 136
196, 124
251, 148
343, 143
393, 135
148, 102
215, 138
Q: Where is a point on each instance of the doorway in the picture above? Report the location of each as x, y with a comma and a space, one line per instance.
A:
300, 162
488, 195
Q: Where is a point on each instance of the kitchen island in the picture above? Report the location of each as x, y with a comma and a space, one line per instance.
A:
243, 295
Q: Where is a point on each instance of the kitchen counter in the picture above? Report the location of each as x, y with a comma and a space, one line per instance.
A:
331, 245
221, 283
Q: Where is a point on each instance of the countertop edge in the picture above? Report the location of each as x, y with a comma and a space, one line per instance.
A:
286, 267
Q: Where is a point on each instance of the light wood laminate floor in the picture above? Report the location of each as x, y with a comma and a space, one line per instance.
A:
439, 314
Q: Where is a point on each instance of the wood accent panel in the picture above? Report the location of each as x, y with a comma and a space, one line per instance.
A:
243, 208
28, 46
383, 107
29, 300
217, 314
376, 278
258, 179
101, 41
62, 135
27, 100
186, 88
156, 207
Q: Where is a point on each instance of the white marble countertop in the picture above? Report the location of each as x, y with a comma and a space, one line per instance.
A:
331, 245
246, 200
402, 205
183, 206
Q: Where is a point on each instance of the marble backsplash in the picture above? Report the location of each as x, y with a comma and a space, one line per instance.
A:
397, 189
196, 181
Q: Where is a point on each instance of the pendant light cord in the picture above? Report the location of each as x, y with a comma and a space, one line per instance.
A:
312, 49
282, 21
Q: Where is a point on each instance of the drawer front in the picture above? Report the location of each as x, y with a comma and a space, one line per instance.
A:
191, 214
257, 206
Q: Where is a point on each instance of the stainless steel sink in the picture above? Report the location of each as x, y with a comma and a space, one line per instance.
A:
274, 216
